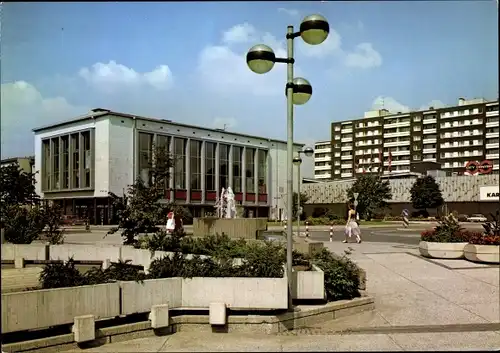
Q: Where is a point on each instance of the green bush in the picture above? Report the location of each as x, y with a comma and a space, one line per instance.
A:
341, 275
23, 224
448, 230
323, 221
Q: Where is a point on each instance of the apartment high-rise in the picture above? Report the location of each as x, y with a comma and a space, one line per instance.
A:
322, 160
389, 143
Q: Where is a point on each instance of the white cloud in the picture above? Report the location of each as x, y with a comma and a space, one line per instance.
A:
111, 76
289, 12
436, 104
390, 104
332, 44
24, 108
242, 33
364, 56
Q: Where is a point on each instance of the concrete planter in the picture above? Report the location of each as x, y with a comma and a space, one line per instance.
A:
442, 250
235, 228
308, 284
482, 253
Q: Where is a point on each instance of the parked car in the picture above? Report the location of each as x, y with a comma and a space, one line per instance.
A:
477, 218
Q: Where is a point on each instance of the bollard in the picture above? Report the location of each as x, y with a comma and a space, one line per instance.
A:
307, 229
331, 233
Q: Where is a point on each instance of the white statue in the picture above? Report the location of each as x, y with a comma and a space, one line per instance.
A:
230, 204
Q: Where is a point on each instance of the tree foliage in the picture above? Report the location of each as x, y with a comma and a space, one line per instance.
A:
23, 224
303, 199
425, 193
16, 187
373, 194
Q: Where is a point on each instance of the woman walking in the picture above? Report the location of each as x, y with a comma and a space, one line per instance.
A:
352, 227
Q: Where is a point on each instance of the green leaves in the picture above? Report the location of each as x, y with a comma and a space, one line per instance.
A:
373, 194
23, 224
16, 187
425, 193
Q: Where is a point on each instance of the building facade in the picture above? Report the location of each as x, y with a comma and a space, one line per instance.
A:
27, 164
83, 160
388, 143
322, 160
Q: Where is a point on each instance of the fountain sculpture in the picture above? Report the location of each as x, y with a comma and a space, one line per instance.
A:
225, 206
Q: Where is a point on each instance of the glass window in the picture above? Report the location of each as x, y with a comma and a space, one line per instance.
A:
249, 172
223, 166
145, 156
195, 164
163, 146
180, 163
262, 171
65, 161
55, 163
75, 168
237, 154
86, 159
210, 154
46, 165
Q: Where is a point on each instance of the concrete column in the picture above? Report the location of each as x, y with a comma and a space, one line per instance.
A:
70, 161
61, 159
188, 171
50, 182
92, 158
203, 171
256, 175
81, 153
217, 169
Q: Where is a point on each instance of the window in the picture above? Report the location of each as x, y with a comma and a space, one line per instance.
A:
249, 173
237, 154
195, 164
87, 162
46, 165
210, 154
179, 163
417, 138
145, 156
417, 128
55, 163
223, 166
262, 171
75, 168
163, 147
65, 161
416, 157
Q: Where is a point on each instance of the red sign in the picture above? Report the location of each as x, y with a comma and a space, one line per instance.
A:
474, 167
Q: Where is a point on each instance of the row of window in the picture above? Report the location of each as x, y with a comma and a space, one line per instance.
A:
67, 162
179, 150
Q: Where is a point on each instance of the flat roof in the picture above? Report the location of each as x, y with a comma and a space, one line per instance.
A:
14, 159
99, 113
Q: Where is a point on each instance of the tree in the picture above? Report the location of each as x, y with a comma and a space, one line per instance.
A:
16, 187
140, 211
373, 194
23, 224
303, 199
425, 193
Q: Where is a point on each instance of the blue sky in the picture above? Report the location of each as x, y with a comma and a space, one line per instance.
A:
185, 61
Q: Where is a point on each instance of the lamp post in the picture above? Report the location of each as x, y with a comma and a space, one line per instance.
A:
314, 30
308, 152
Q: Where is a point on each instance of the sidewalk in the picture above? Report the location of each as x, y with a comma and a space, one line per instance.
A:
420, 305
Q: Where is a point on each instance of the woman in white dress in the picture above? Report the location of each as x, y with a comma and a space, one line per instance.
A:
352, 227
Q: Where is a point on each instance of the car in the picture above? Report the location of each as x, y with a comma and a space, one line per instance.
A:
477, 218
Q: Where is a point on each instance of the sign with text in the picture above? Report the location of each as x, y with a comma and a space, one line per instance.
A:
474, 167
489, 193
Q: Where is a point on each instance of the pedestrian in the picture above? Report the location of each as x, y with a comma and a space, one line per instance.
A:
352, 227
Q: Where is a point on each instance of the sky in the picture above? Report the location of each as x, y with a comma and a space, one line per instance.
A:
185, 61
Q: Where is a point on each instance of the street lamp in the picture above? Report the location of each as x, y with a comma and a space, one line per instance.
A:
314, 30
308, 152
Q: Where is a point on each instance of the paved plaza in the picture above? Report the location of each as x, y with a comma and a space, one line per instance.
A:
421, 304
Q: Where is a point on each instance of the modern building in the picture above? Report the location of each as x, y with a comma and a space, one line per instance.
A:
465, 135
84, 159
27, 164
322, 160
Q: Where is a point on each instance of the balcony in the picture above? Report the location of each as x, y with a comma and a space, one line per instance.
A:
429, 159
323, 150
492, 113
492, 156
403, 162
397, 143
346, 157
430, 131
429, 120
398, 124
397, 134
322, 167
346, 148
346, 139
346, 131
492, 124
322, 159
425, 141
491, 146
429, 150
346, 175
490, 135
346, 166
398, 153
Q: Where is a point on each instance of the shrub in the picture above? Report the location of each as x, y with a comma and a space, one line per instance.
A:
341, 275
52, 215
23, 224
321, 221
460, 236
420, 214
482, 239
493, 227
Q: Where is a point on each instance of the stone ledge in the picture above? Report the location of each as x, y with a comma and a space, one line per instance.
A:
303, 316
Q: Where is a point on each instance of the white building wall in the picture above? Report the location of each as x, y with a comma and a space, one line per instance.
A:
121, 154
101, 159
